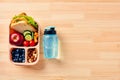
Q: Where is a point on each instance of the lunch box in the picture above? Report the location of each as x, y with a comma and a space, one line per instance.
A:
24, 44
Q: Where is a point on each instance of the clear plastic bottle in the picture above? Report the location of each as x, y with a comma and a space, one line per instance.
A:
50, 43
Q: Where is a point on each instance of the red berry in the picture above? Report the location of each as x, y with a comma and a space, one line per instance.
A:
26, 43
32, 43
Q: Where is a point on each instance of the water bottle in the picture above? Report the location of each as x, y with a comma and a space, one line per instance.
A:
50, 43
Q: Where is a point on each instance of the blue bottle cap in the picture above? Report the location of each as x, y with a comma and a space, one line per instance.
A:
50, 30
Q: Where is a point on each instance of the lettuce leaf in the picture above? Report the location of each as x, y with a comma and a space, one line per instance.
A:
29, 20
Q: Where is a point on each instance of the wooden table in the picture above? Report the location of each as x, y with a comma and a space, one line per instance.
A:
89, 31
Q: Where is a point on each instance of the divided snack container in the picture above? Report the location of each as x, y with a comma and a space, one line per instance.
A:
24, 40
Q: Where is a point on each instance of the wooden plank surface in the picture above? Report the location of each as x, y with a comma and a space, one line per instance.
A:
89, 31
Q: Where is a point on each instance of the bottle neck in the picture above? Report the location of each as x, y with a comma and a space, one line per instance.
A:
49, 34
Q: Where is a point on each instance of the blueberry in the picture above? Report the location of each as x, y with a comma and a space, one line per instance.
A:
18, 55
22, 51
13, 52
15, 60
17, 50
23, 55
20, 59
23, 58
23, 61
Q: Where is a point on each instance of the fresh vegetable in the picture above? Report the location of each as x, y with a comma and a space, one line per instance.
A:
26, 43
29, 43
24, 17
28, 37
35, 37
32, 43
27, 32
32, 35
23, 30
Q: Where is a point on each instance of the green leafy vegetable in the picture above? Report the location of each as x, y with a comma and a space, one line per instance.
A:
29, 20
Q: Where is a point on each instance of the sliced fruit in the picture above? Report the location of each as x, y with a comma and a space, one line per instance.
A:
27, 32
28, 37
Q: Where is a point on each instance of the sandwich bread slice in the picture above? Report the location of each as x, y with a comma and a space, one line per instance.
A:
23, 22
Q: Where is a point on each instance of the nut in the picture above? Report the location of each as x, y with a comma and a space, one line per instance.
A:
32, 55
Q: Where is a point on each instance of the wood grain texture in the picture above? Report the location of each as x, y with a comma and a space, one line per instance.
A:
89, 31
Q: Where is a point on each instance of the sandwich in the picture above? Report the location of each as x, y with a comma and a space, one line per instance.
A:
23, 22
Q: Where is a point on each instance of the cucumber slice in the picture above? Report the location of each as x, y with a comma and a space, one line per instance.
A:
28, 37
26, 32
32, 35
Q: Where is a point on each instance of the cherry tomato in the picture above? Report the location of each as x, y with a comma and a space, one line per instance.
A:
32, 43
26, 43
